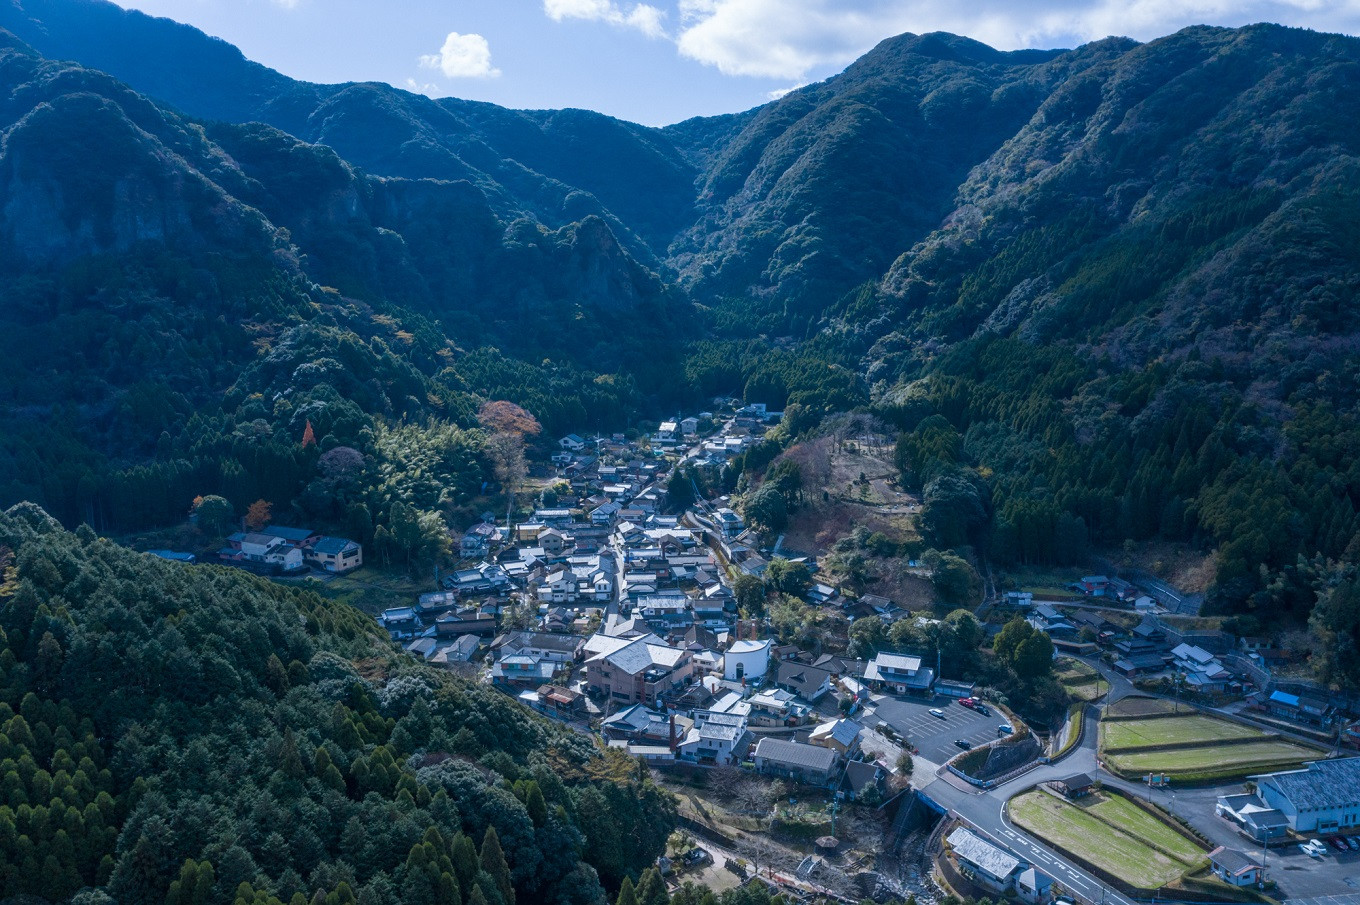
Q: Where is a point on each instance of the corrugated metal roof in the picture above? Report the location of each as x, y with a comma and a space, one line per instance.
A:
796, 754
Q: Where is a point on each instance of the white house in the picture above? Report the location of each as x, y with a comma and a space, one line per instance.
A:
716, 738
730, 523
1033, 886
746, 660
689, 426
839, 735
990, 864
901, 673
258, 546
603, 515
572, 442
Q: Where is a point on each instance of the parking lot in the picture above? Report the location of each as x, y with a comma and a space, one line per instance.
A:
934, 737
1331, 879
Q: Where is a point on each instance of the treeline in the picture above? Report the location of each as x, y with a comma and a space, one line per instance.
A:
196, 735
1036, 454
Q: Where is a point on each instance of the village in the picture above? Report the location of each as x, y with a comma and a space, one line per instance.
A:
830, 769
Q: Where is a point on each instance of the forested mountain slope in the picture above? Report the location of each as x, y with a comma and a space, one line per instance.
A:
1122, 276
155, 269
1143, 309
555, 166
199, 729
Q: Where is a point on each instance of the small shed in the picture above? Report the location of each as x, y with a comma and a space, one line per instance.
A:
1078, 785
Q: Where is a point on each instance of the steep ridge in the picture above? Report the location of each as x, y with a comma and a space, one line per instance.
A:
557, 166
1124, 275
152, 265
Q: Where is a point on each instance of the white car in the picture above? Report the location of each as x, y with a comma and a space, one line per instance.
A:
1313, 848
937, 713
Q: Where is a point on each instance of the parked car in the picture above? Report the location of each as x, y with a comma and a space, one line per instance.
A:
960, 743
968, 702
1005, 729
1354, 843
696, 856
1339, 844
982, 709
1313, 848
936, 712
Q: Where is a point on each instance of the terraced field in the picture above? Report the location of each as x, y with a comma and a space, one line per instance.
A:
1137, 705
1111, 833
1172, 730
1140, 735
1212, 762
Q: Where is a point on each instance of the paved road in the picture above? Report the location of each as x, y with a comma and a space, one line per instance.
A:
1307, 881
986, 811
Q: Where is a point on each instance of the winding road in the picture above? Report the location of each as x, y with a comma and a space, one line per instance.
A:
985, 811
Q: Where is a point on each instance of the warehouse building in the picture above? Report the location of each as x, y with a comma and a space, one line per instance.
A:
1323, 797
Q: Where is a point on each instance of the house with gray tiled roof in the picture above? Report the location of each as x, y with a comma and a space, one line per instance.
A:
794, 760
638, 671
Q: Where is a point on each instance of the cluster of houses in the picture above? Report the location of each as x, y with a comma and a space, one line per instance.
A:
1149, 648
1114, 590
635, 629
281, 550
1208, 664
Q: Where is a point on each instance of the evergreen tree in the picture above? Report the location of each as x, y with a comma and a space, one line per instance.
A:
651, 888
493, 862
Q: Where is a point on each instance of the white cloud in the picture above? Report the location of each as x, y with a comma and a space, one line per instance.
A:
462, 57
777, 93
644, 17
427, 88
787, 39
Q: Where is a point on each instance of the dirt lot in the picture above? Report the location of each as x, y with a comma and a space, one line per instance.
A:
852, 484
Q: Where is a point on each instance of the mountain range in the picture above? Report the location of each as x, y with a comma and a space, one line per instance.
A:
1100, 265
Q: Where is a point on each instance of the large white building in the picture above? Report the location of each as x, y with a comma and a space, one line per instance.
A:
1323, 797
746, 660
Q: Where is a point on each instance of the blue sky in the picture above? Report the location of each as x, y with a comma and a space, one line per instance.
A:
661, 61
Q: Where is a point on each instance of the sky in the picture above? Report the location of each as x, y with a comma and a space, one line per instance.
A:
663, 61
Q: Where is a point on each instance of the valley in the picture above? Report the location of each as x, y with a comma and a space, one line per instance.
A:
939, 481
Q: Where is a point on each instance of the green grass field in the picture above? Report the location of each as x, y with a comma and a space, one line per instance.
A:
1212, 762
1140, 824
1172, 730
1120, 851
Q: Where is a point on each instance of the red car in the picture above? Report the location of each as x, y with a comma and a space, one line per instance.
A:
968, 702
1339, 844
